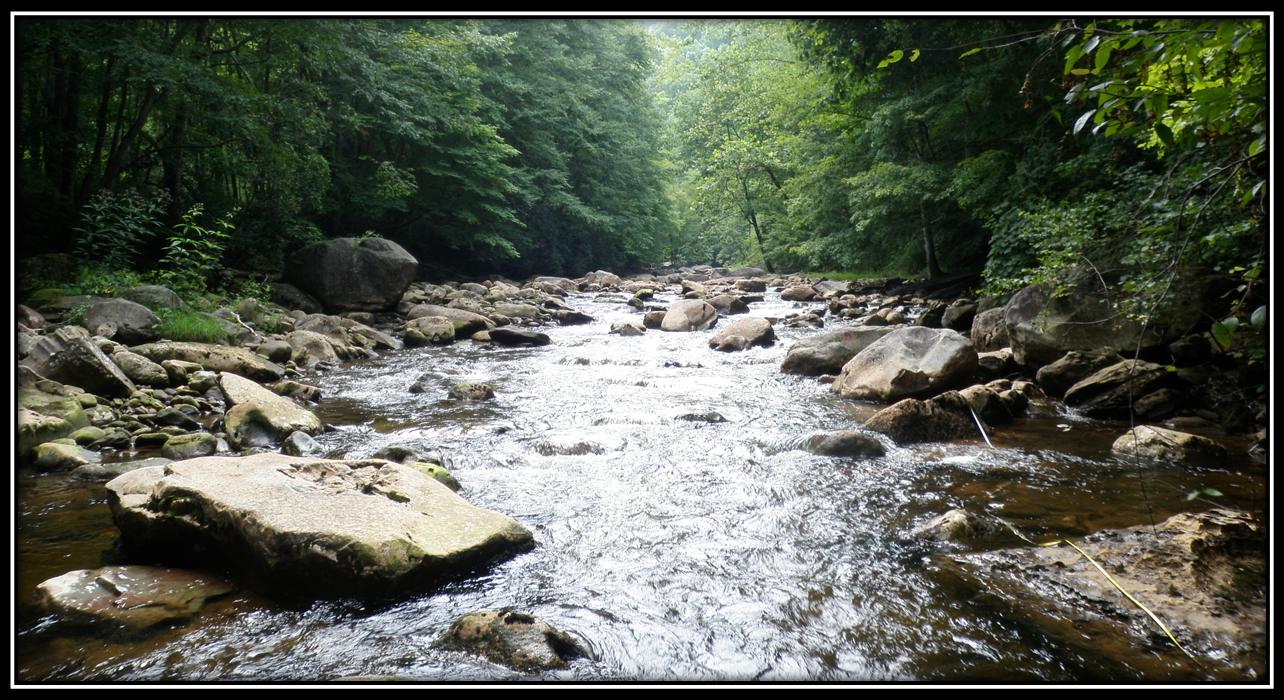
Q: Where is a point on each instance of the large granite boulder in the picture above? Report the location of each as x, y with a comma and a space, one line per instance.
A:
744, 333
689, 315
69, 356
912, 361
215, 358
305, 528
466, 323
133, 323
826, 353
351, 274
258, 417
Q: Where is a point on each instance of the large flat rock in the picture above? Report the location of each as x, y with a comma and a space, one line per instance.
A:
310, 528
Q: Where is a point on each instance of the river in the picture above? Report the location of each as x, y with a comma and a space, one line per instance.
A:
683, 532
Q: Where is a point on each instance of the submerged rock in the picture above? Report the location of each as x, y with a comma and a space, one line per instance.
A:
511, 638
310, 528
127, 597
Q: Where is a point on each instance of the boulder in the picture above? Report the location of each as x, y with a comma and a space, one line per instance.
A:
689, 315
429, 330
945, 417
141, 370
912, 361
846, 443
310, 528
134, 323
570, 317
257, 417
353, 274
466, 323
69, 356
59, 457
627, 328
989, 332
1112, 392
828, 352
959, 316
509, 336
802, 292
216, 358
47, 410
1168, 445
189, 446
471, 391
753, 331
310, 348
291, 297
1073, 367
127, 598
152, 296
958, 525
512, 639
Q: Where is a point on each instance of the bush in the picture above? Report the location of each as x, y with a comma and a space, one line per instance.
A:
115, 226
191, 326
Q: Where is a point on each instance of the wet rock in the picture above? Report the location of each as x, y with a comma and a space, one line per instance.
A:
278, 351
189, 446
131, 598
134, 323
958, 525
1111, 392
570, 317
912, 361
627, 328
465, 323
801, 292
216, 358
107, 471
259, 418
744, 333
437, 472
828, 352
511, 639
47, 410
689, 315
1073, 367
59, 457
653, 319
1168, 445
310, 528
846, 443
471, 391
430, 330
988, 404
1204, 574
945, 417
300, 444
296, 390
512, 337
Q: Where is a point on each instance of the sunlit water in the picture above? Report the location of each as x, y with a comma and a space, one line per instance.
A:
672, 547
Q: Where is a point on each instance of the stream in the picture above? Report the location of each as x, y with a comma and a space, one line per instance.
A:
683, 531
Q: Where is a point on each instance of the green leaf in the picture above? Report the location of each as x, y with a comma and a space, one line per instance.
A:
1231, 323
1212, 492
1258, 319
965, 54
1164, 133
1083, 121
1222, 335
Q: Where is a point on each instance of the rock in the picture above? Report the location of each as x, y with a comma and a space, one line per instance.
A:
257, 417
466, 323
47, 410
511, 639
570, 317
189, 446
353, 274
1205, 574
753, 331
1111, 392
988, 405
70, 357
509, 336
653, 319
127, 598
216, 358
278, 351
437, 472
57, 457
309, 528
134, 323
141, 370
295, 390
828, 352
291, 297
945, 417
689, 315
300, 444
959, 316
627, 328
429, 330
912, 361
152, 296
846, 443
800, 292
29, 317
729, 305
958, 525
1073, 367
173, 417
989, 332
470, 391
109, 471
1168, 445
311, 348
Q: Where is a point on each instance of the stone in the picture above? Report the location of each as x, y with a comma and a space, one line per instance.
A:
257, 417
69, 356
689, 315
127, 598
989, 332
512, 639
627, 328
310, 348
826, 353
909, 362
1073, 367
753, 331
302, 528
429, 330
57, 457
846, 443
189, 446
300, 444
465, 323
353, 274
1111, 392
140, 370
945, 417
152, 296
134, 323
47, 410
1168, 445
958, 525
511, 337
215, 358
471, 391
800, 292
278, 351
291, 297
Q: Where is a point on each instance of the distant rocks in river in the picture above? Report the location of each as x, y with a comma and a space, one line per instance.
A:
512, 639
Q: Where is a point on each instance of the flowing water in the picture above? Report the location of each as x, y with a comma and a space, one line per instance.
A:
684, 532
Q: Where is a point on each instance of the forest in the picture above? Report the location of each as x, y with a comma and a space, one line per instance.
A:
1032, 149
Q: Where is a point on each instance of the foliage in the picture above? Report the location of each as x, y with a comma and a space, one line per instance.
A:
116, 226
190, 325
194, 253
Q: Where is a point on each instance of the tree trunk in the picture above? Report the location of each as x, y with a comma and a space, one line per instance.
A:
933, 269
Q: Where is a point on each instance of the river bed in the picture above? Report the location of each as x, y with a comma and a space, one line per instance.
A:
683, 531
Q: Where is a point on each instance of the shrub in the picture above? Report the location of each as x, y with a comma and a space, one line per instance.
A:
191, 326
115, 226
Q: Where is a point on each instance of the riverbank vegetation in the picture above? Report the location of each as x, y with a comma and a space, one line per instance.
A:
1030, 149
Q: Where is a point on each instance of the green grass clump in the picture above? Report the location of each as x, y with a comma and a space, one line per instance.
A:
190, 326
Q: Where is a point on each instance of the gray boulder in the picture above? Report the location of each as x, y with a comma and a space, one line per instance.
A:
689, 315
350, 274
828, 352
989, 332
127, 598
1168, 445
216, 358
466, 323
512, 639
257, 417
912, 361
69, 356
141, 370
846, 443
750, 332
945, 417
47, 410
310, 528
509, 336
134, 323
1112, 392
1057, 378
